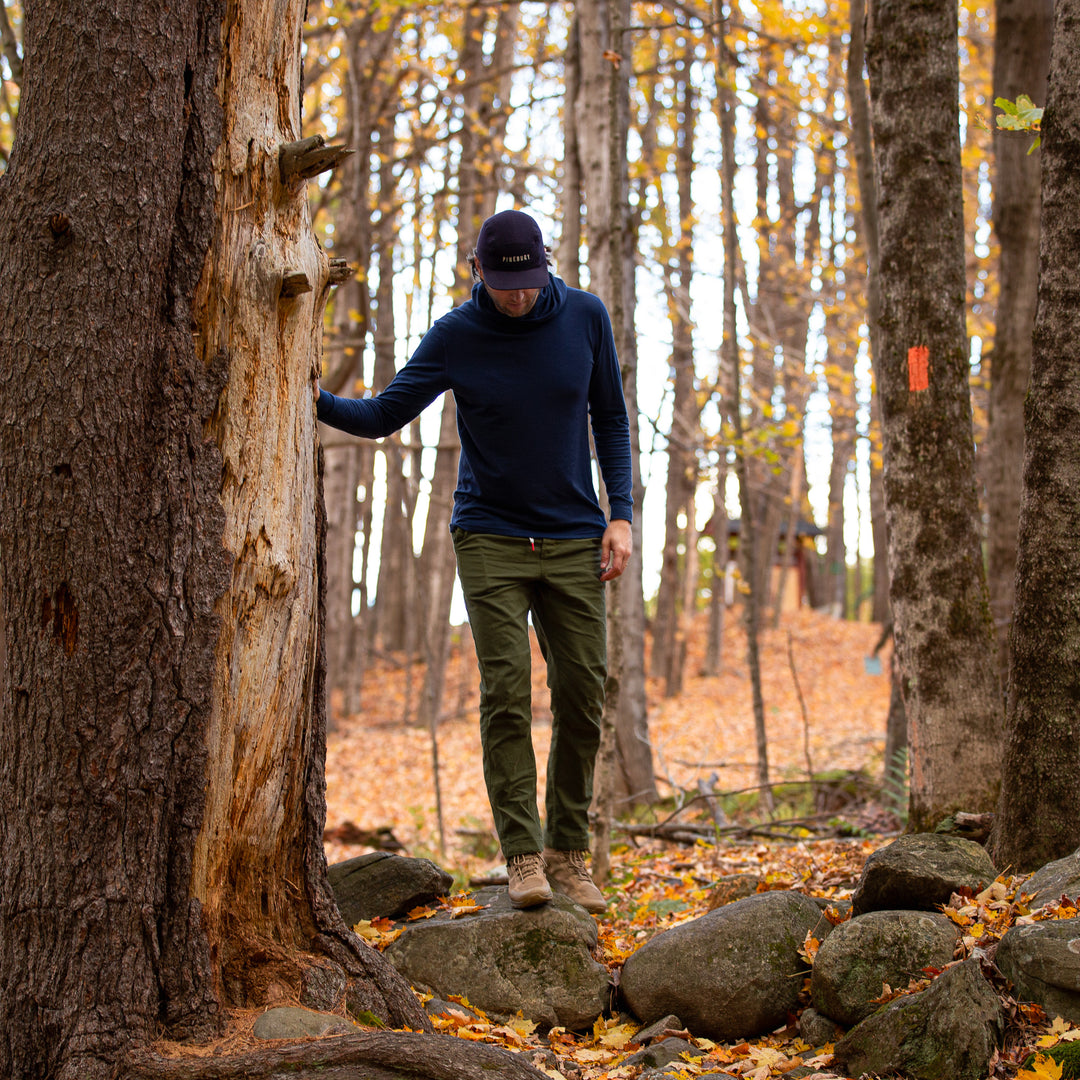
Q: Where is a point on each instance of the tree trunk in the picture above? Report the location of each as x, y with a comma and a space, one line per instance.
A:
369, 46
1037, 819
944, 631
683, 440
602, 119
1021, 62
162, 711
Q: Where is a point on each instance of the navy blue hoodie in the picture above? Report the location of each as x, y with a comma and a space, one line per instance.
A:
526, 390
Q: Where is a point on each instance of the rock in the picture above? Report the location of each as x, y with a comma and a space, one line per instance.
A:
381, 884
1055, 880
879, 947
950, 1031
652, 1031
663, 1053
732, 973
437, 1006
502, 960
817, 1030
919, 872
289, 1022
1042, 961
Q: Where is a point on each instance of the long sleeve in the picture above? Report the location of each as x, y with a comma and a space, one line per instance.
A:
611, 428
411, 390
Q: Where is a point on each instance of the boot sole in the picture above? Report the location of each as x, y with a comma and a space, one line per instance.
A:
533, 899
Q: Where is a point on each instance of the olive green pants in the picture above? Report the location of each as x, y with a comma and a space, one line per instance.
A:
557, 582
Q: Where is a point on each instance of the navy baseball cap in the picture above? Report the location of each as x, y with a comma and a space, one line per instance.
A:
510, 250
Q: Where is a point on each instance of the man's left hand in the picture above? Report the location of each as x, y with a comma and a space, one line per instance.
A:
615, 549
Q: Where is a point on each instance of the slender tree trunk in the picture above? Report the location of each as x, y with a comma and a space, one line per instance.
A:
350, 466
731, 367
714, 642
1037, 819
602, 132
1021, 63
862, 143
683, 440
944, 631
571, 190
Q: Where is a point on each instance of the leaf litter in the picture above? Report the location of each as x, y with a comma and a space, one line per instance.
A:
825, 717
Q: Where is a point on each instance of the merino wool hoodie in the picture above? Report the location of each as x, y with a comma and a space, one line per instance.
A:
527, 389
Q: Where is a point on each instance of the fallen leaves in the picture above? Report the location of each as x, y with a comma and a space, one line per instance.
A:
379, 774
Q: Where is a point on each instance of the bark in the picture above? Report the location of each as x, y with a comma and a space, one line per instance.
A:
683, 440
841, 380
602, 133
481, 141
714, 642
1021, 61
162, 705
350, 466
862, 144
731, 368
383, 1055
728, 361
1037, 820
571, 189
944, 631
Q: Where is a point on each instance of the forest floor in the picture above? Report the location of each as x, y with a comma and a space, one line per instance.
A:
825, 712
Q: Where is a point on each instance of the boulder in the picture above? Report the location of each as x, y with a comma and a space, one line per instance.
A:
383, 885
504, 960
1042, 961
1055, 880
289, 1022
879, 947
949, 1031
920, 872
732, 973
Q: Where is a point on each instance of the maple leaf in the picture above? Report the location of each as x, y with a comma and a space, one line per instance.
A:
808, 949
1043, 1068
1060, 1031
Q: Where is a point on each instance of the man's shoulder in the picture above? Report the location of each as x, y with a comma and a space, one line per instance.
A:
585, 303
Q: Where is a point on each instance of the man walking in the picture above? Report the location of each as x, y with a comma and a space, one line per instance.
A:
533, 367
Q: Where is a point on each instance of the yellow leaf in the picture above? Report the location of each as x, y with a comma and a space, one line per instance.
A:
617, 1037
1043, 1068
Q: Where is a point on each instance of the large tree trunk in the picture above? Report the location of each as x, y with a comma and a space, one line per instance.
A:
944, 631
1037, 819
162, 711
1021, 62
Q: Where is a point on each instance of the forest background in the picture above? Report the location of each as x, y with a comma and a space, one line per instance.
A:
177, 606
456, 111
453, 111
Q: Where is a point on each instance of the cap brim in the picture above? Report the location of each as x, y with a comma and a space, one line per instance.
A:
508, 280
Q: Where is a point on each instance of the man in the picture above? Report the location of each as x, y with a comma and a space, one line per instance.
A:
532, 365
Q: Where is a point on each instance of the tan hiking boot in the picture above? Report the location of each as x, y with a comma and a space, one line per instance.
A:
528, 885
568, 873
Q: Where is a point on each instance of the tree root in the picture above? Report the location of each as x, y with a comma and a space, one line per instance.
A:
376, 1055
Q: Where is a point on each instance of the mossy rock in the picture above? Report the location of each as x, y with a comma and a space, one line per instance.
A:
1066, 1054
